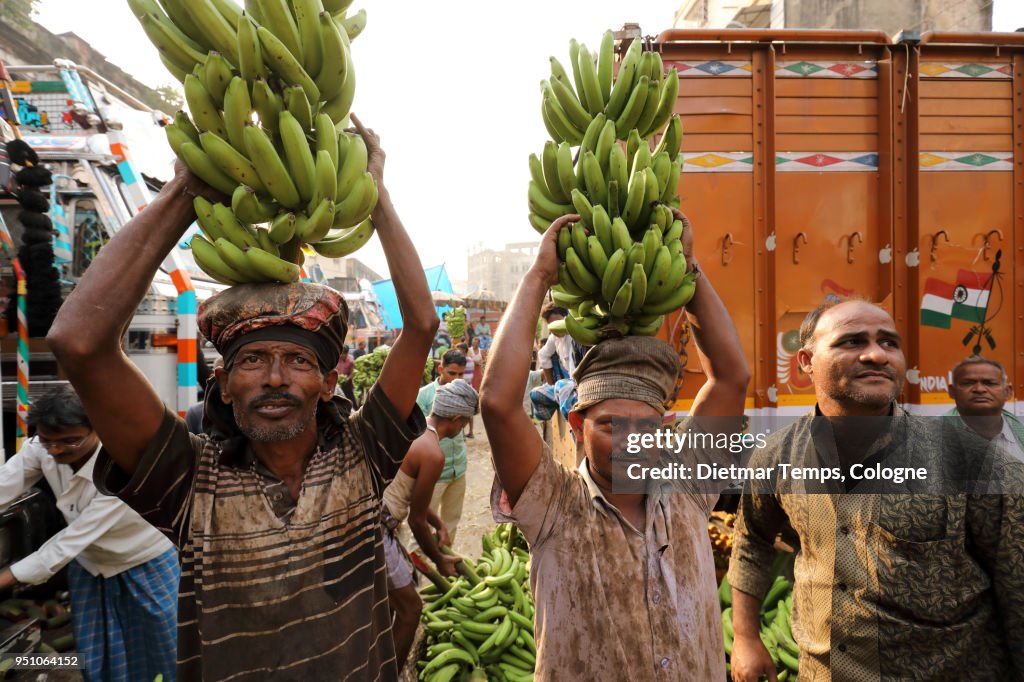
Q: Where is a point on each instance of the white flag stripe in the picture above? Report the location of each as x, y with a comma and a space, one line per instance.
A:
937, 304
977, 298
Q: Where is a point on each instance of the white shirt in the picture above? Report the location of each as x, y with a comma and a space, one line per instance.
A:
103, 533
562, 345
1007, 440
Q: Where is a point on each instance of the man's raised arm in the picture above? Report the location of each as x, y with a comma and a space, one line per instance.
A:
400, 376
515, 444
718, 345
86, 335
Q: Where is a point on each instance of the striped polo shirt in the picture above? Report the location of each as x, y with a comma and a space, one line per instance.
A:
298, 597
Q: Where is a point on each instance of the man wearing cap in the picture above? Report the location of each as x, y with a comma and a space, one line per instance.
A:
276, 509
639, 566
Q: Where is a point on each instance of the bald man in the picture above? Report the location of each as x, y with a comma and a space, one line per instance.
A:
918, 578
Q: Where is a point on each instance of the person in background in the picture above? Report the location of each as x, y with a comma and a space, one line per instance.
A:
476, 354
442, 331
408, 496
122, 572
482, 331
346, 366
980, 389
450, 491
556, 356
360, 350
472, 369
194, 414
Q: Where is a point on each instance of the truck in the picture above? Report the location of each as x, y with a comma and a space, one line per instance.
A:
830, 164
825, 163
84, 129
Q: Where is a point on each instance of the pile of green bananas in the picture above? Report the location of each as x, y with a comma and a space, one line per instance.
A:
269, 90
776, 633
457, 323
480, 625
622, 266
367, 369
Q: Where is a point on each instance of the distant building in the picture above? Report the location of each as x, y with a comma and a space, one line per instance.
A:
707, 13
884, 15
500, 271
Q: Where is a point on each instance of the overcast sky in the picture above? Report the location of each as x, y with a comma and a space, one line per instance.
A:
452, 89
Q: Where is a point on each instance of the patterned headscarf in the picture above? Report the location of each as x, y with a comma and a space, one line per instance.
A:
633, 368
307, 314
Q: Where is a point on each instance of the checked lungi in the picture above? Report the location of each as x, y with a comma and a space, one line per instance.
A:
125, 626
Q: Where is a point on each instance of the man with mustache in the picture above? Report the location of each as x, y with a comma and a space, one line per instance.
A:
276, 508
922, 579
980, 389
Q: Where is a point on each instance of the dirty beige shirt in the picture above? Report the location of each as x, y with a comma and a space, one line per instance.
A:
614, 602
902, 586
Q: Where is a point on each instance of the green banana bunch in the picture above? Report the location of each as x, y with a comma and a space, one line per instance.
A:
622, 265
457, 322
776, 631
479, 625
267, 89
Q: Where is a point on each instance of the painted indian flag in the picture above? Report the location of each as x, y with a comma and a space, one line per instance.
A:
965, 300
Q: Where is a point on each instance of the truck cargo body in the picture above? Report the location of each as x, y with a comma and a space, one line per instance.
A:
835, 164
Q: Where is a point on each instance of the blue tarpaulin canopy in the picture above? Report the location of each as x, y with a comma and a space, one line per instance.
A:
384, 290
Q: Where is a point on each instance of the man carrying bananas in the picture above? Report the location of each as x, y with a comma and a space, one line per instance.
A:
276, 509
624, 583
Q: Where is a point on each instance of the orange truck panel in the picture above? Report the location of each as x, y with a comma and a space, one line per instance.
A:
835, 164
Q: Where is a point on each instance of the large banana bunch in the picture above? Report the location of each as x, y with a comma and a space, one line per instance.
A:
269, 89
622, 265
776, 632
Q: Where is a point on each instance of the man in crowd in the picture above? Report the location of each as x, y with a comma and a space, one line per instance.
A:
346, 366
555, 358
122, 572
409, 496
450, 491
980, 389
360, 350
640, 564
276, 510
889, 585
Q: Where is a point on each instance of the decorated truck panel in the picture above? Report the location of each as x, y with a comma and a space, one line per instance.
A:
82, 127
825, 164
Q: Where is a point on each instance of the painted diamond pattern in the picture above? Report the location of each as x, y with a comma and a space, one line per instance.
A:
870, 160
804, 68
933, 69
847, 69
779, 160
926, 159
709, 161
978, 159
819, 160
1006, 68
975, 70
716, 67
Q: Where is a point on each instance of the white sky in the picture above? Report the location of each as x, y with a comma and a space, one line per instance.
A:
452, 89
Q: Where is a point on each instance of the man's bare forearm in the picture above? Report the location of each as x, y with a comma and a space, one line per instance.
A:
716, 336
95, 314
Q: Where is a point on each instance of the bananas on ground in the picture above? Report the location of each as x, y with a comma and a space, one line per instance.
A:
623, 267
269, 91
479, 625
